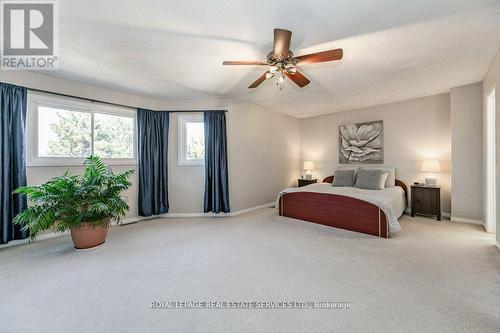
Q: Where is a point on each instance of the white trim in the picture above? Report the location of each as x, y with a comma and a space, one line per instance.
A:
48, 235
251, 209
491, 191
77, 162
15, 243
456, 218
182, 121
197, 109
443, 214
466, 220
184, 215
135, 219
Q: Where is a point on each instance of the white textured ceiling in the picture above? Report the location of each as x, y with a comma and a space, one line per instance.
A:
393, 49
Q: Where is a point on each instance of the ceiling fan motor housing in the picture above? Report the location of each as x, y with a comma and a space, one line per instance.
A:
274, 60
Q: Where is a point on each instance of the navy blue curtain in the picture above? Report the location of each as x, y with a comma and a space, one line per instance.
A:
12, 159
152, 130
216, 171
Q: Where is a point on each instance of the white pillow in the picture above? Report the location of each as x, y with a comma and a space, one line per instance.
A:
391, 177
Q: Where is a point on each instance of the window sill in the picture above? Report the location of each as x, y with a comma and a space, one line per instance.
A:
191, 164
41, 162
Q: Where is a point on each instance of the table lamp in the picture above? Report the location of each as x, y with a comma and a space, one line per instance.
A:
431, 166
308, 166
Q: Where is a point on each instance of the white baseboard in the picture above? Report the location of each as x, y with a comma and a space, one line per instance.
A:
15, 243
180, 215
135, 219
251, 209
455, 218
47, 235
466, 220
443, 214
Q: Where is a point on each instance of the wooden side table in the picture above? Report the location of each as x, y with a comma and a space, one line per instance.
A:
304, 182
426, 200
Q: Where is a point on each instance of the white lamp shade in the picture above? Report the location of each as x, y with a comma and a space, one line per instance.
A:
308, 165
431, 166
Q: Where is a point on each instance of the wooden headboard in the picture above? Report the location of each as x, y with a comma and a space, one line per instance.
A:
399, 183
328, 179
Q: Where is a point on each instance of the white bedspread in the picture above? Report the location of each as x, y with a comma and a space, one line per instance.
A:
391, 199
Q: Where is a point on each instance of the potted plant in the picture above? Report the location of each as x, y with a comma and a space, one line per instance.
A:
85, 204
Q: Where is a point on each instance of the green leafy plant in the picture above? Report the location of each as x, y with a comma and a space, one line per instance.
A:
67, 202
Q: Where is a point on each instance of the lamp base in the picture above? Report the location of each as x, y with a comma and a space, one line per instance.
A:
309, 176
430, 181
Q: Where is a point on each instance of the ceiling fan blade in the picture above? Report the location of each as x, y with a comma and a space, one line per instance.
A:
244, 63
298, 78
282, 39
257, 82
324, 56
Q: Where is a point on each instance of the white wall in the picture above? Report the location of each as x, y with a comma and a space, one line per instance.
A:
492, 80
264, 154
466, 104
69, 87
185, 182
263, 157
414, 130
266, 148
263, 146
37, 175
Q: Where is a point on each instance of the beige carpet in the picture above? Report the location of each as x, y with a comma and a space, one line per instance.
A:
432, 277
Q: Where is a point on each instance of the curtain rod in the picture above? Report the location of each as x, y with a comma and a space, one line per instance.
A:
109, 103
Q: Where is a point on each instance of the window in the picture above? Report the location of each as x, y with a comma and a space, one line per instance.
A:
65, 131
113, 136
191, 140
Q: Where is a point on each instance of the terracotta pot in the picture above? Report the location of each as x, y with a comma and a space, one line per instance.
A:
88, 236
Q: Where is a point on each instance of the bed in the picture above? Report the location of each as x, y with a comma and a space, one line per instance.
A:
366, 211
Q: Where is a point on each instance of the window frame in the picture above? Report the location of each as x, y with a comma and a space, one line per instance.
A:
36, 100
182, 121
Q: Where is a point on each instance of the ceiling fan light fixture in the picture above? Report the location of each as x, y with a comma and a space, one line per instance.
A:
282, 61
281, 80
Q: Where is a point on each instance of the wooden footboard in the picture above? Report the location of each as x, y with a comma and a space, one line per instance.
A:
336, 211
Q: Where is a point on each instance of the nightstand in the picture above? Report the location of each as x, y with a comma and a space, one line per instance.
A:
426, 200
304, 182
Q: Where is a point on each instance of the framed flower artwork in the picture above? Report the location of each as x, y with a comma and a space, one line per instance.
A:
362, 143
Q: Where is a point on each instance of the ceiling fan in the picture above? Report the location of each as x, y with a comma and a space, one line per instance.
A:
282, 62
